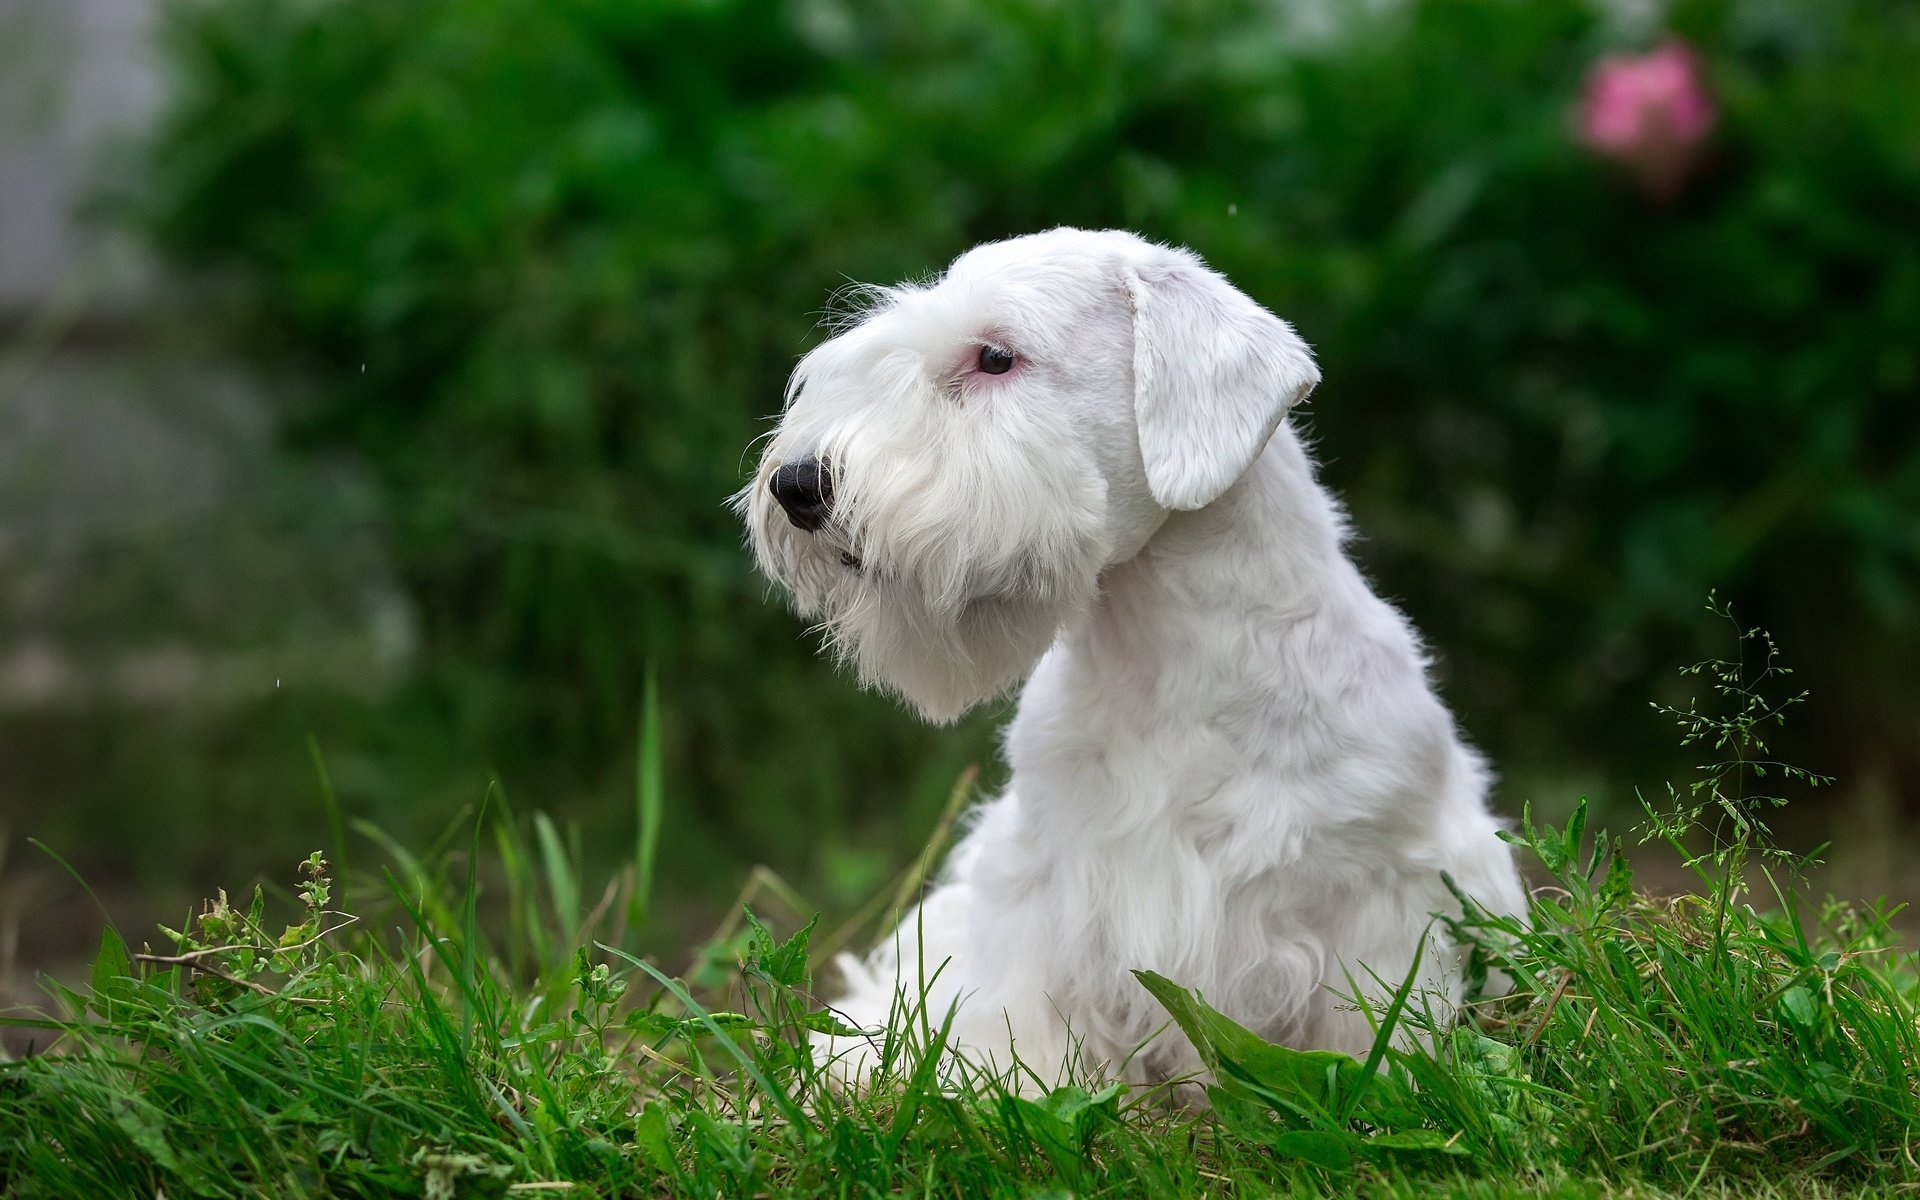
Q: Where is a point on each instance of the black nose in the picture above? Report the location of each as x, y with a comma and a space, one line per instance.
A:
805, 490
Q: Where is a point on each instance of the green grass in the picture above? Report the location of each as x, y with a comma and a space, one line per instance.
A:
1653, 1046
478, 1021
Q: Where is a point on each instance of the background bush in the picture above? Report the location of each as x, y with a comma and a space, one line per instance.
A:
544, 265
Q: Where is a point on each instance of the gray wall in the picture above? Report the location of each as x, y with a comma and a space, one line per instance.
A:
77, 79
155, 547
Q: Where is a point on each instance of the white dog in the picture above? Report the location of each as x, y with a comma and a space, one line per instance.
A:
1066, 460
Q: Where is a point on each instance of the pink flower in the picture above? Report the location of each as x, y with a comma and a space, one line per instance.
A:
1649, 112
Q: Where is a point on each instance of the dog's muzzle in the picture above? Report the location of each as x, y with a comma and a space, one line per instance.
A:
805, 490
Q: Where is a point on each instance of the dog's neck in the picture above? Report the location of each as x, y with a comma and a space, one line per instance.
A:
1201, 611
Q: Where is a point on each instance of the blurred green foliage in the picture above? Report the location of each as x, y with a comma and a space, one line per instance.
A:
544, 265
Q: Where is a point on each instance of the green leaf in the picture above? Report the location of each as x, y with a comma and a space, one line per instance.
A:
113, 980
146, 1128
1548, 845
1247, 1119
1389, 1102
112, 964
786, 963
1426, 1141
1054, 1136
1617, 888
1306, 1087
660, 1025
1576, 829
1078, 1105
1797, 1005
822, 1021
653, 1135
1309, 1083
1332, 1149
1064, 1122
652, 1024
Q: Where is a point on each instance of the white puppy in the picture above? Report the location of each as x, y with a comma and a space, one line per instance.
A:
1066, 460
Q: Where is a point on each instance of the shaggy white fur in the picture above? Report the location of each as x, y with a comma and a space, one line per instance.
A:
1066, 460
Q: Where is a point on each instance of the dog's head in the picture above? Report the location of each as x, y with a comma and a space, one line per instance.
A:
953, 472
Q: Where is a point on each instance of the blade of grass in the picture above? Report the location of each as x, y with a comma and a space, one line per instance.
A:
649, 795
336, 820
470, 923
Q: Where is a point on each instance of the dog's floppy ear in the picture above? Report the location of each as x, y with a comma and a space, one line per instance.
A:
1213, 374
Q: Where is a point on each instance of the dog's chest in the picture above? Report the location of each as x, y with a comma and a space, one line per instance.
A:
1256, 949
1209, 904
1219, 835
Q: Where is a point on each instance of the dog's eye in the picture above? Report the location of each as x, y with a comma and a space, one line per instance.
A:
995, 361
